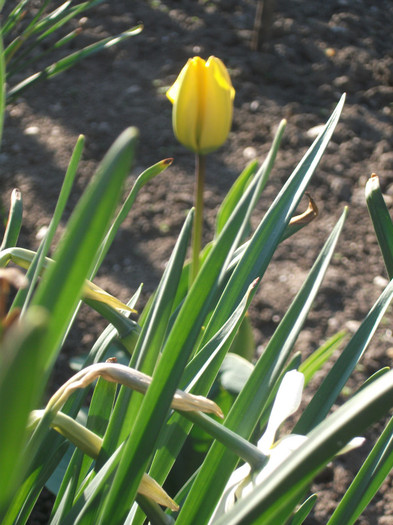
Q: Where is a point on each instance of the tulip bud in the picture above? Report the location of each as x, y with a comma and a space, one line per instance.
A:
202, 99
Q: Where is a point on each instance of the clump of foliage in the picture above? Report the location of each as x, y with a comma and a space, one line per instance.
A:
111, 466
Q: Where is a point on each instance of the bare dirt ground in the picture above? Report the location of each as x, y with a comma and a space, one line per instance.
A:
316, 51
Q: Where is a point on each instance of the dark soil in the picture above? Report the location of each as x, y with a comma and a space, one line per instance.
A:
316, 51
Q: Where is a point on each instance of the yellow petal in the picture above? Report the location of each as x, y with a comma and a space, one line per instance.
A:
218, 109
185, 96
222, 75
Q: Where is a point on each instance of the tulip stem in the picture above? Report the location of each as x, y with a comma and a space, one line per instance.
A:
198, 218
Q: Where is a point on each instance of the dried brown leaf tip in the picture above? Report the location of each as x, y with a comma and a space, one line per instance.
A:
310, 214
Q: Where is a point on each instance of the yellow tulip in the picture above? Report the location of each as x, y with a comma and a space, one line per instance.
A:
202, 99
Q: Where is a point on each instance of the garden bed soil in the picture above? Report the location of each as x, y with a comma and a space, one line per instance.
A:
315, 52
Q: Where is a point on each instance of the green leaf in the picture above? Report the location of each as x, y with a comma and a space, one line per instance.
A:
78, 466
259, 251
69, 61
145, 177
304, 510
43, 464
382, 222
198, 378
338, 375
14, 17
368, 480
20, 384
374, 376
234, 373
61, 285
149, 344
244, 342
37, 264
54, 482
319, 357
178, 348
87, 497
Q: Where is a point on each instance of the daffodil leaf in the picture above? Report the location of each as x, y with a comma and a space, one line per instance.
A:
201, 371
38, 261
259, 251
177, 349
304, 510
59, 292
374, 376
382, 221
20, 384
316, 360
150, 341
145, 177
244, 342
60, 288
65, 63
338, 375
368, 480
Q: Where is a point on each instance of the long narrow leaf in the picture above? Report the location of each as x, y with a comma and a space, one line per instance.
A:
370, 477
382, 221
61, 286
22, 298
234, 194
268, 234
250, 403
69, 61
145, 177
198, 378
20, 384
149, 342
338, 375
320, 356
304, 510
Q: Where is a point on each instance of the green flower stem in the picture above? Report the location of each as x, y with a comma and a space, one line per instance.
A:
198, 219
237, 444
